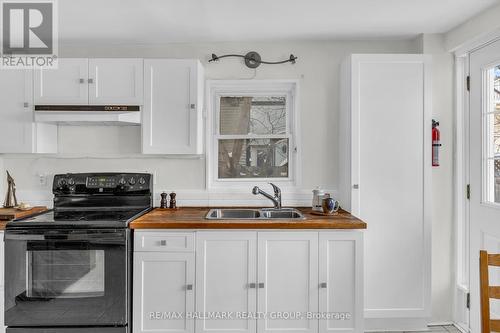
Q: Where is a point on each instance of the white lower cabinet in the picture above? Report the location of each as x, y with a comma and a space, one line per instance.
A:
341, 281
248, 281
288, 281
2, 283
163, 288
226, 279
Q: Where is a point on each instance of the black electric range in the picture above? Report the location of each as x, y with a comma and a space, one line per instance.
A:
69, 270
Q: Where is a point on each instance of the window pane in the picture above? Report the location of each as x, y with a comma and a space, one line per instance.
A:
253, 158
65, 273
491, 135
253, 115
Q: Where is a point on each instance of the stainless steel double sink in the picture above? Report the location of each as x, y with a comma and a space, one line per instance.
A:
255, 214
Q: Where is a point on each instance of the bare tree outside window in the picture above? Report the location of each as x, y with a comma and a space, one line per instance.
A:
496, 131
257, 145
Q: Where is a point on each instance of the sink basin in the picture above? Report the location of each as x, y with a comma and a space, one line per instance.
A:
254, 214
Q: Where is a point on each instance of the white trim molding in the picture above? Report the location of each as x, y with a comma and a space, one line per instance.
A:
217, 88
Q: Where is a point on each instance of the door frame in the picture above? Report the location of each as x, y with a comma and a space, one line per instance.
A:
461, 175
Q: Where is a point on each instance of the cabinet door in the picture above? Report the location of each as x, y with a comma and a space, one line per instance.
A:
341, 281
68, 84
115, 81
288, 280
18, 132
163, 289
16, 113
391, 167
172, 107
226, 279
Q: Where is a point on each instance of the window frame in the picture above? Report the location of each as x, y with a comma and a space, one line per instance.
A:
232, 88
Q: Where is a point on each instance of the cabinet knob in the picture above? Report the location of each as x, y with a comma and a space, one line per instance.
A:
26, 104
91, 81
355, 186
163, 242
252, 285
261, 285
192, 106
322, 285
189, 287
81, 81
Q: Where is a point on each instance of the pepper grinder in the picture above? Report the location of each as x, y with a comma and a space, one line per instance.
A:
164, 200
173, 203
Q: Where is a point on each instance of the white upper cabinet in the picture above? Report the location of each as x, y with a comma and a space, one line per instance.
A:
172, 115
115, 81
18, 132
66, 85
76, 81
288, 280
386, 118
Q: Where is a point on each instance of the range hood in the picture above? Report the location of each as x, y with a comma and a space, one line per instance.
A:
88, 114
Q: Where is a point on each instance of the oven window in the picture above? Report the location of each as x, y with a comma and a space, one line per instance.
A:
65, 273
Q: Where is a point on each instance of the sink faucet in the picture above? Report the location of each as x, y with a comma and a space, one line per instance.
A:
277, 195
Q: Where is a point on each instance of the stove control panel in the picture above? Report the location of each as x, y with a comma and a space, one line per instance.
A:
101, 182
111, 183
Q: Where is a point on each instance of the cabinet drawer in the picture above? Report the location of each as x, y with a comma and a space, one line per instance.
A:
163, 241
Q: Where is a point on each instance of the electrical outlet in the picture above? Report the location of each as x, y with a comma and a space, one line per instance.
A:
42, 179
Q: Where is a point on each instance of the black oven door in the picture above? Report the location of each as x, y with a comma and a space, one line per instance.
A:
66, 278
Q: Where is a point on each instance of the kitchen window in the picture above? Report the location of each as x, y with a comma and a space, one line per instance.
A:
252, 133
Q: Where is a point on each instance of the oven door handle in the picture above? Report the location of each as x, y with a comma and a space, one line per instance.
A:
67, 236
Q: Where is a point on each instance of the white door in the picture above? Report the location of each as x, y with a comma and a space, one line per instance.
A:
115, 81
171, 110
287, 281
391, 172
163, 292
341, 281
226, 265
484, 167
16, 125
68, 84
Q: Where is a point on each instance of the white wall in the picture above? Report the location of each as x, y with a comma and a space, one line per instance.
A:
317, 68
442, 178
475, 29
115, 149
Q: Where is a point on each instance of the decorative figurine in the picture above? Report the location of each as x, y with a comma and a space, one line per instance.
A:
10, 198
173, 203
164, 200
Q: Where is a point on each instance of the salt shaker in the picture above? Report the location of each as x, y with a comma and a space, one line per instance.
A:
173, 203
164, 200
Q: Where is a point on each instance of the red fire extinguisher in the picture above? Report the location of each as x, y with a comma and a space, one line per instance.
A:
436, 142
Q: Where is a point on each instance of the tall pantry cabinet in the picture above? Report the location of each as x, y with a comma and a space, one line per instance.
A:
385, 145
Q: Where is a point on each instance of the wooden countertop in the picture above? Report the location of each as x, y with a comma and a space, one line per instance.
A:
9, 214
194, 218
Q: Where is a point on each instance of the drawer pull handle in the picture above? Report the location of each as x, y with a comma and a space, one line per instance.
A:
163, 242
189, 287
322, 285
261, 285
252, 285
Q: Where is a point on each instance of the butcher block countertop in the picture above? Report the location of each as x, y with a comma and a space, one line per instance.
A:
9, 214
194, 218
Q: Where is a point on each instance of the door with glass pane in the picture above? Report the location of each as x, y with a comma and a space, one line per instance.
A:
66, 278
484, 166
